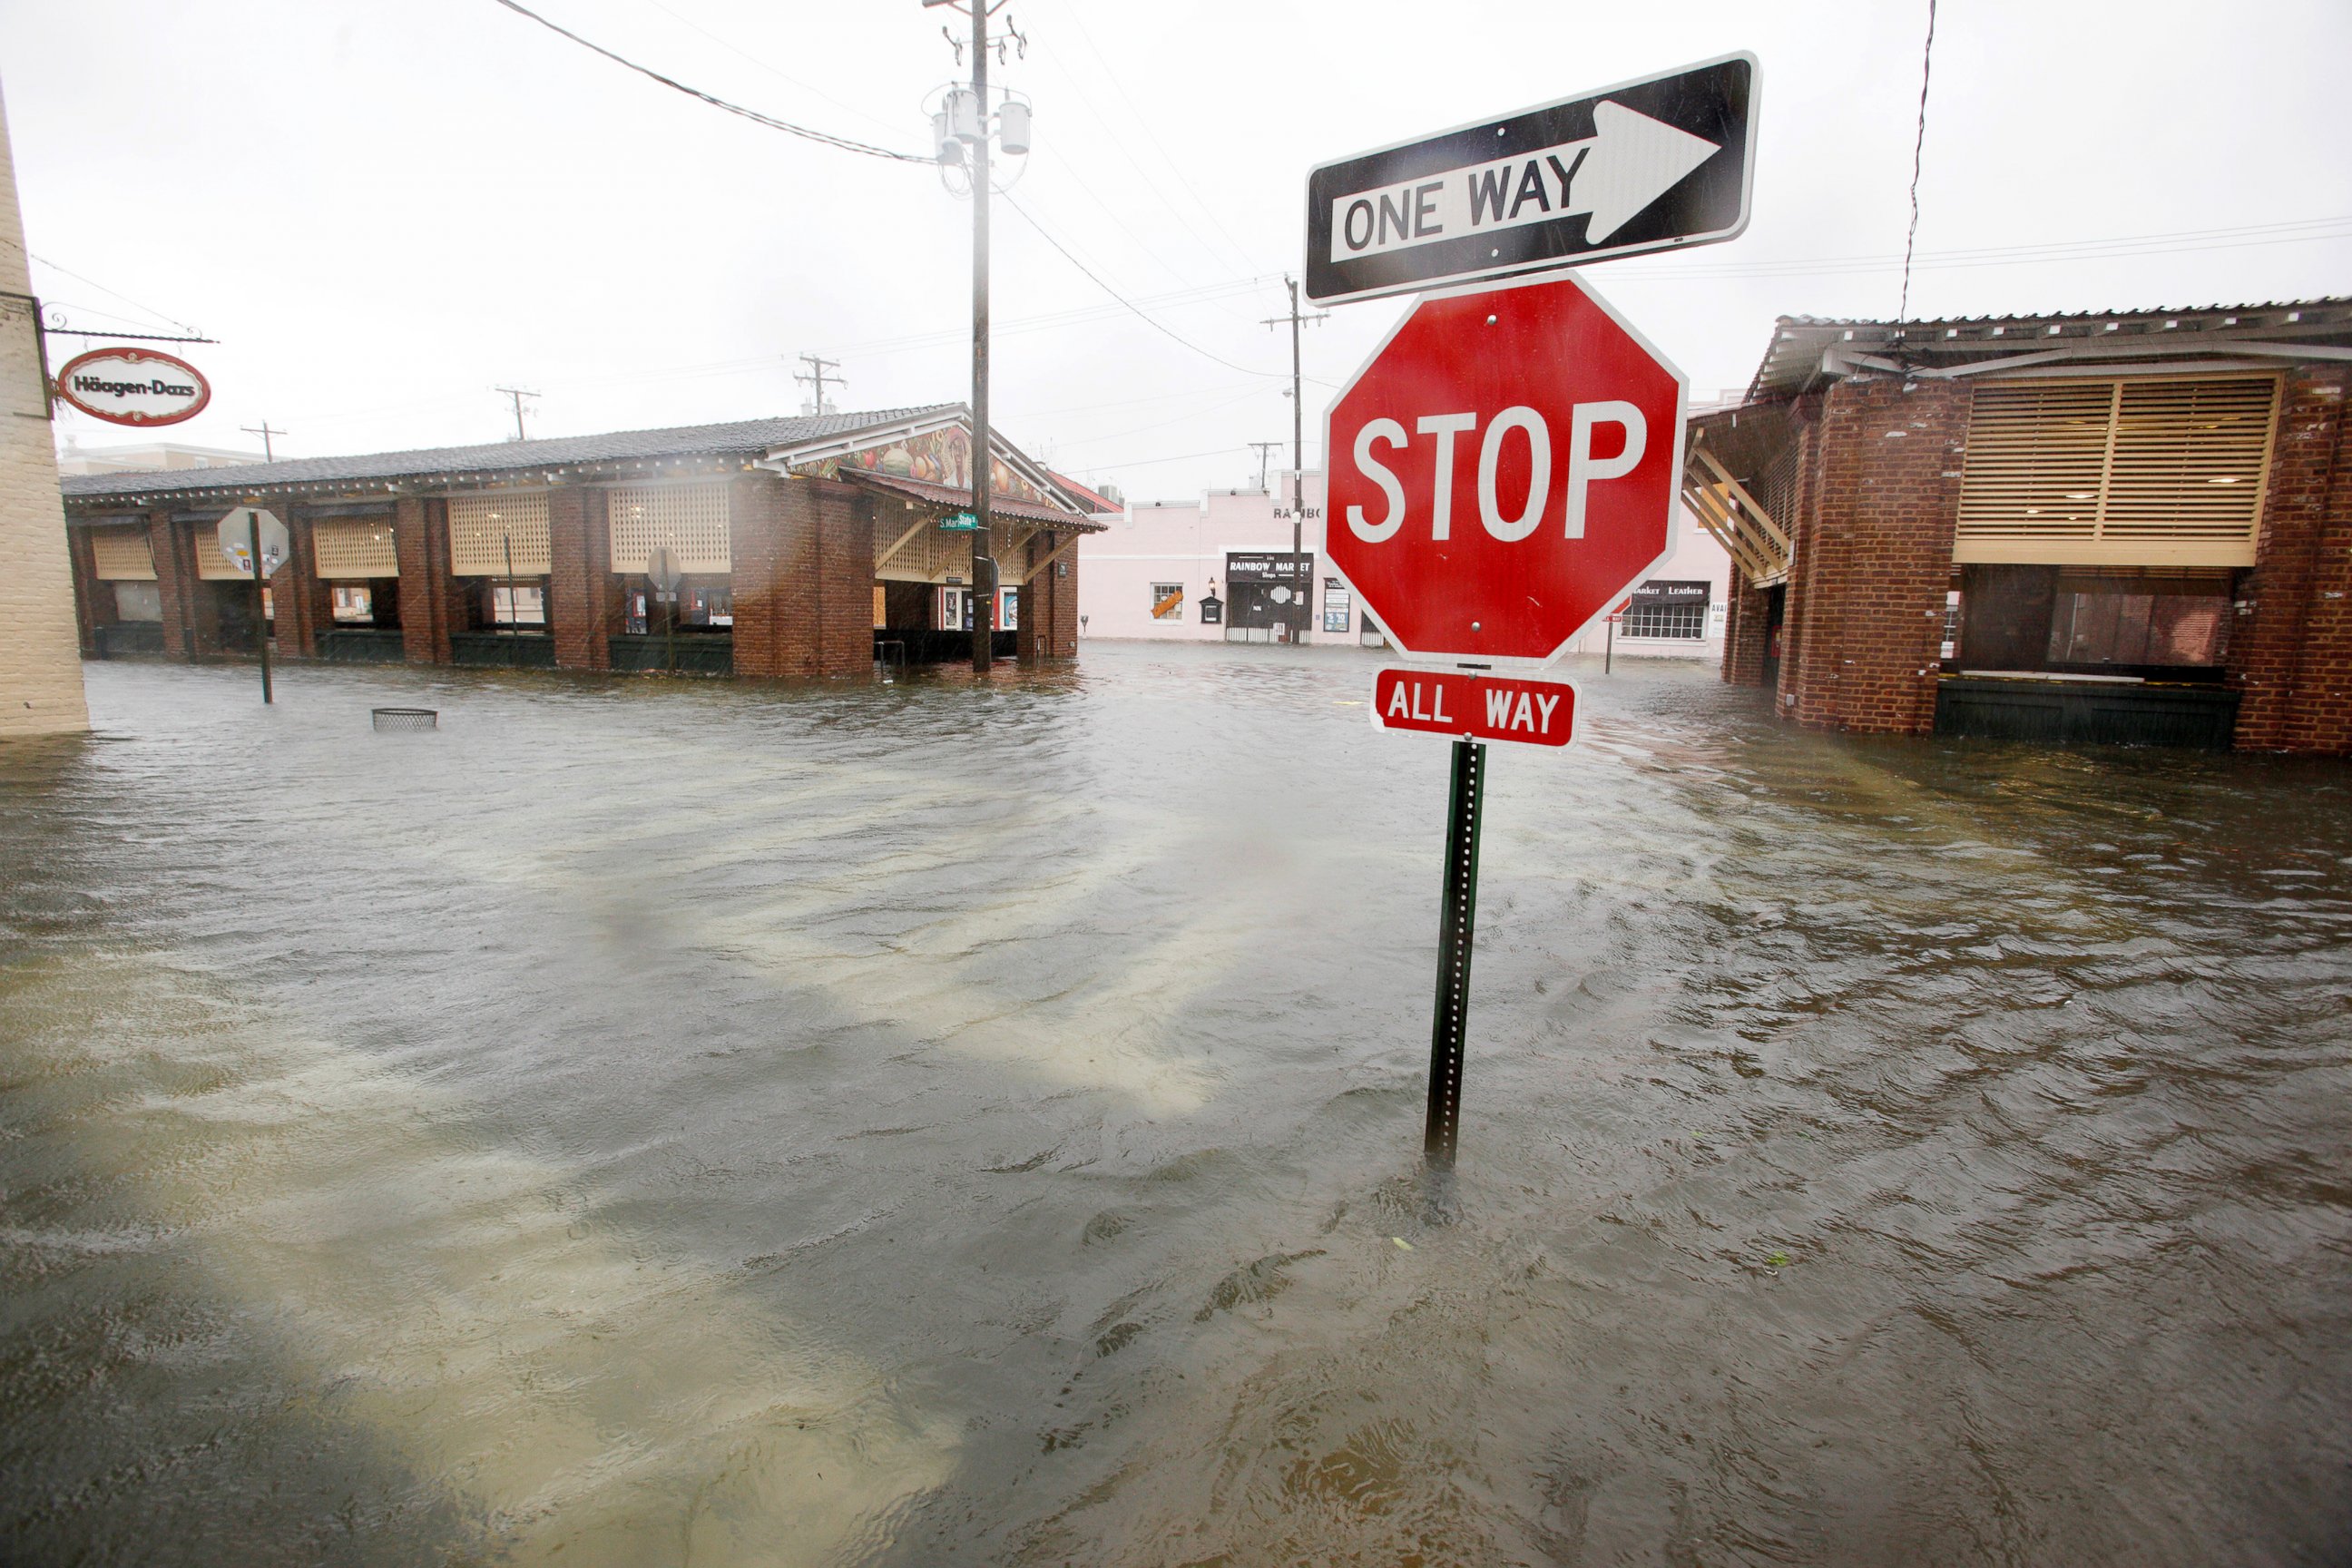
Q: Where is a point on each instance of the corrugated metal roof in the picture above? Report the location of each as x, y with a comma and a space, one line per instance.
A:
503, 458
1793, 361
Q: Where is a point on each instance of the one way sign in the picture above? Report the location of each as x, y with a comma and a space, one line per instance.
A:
1646, 166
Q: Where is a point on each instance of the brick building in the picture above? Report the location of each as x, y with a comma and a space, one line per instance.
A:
40, 679
2125, 527
804, 548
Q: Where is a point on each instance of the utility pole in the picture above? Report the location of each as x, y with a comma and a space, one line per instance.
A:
264, 430
970, 126
1302, 578
1262, 448
984, 564
818, 365
517, 394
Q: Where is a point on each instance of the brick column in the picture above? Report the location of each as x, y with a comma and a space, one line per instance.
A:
302, 601
425, 586
1875, 556
1747, 628
175, 576
843, 607
756, 529
577, 612
93, 600
2291, 650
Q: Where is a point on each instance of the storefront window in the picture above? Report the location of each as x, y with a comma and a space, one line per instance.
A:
519, 605
138, 602
353, 601
1168, 601
1675, 611
2138, 628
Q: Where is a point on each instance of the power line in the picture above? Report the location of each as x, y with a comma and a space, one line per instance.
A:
1167, 331
823, 138
1918, 152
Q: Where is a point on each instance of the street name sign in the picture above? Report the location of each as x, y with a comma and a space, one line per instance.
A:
1656, 163
959, 522
1502, 469
1469, 706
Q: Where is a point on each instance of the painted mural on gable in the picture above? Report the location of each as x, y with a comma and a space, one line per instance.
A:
936, 456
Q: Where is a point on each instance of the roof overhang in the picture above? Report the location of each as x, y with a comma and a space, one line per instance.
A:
955, 497
1806, 353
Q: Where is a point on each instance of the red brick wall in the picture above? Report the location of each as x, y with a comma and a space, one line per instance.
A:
93, 600
174, 577
303, 602
1874, 557
757, 548
2290, 649
1745, 626
578, 595
421, 537
802, 552
1049, 605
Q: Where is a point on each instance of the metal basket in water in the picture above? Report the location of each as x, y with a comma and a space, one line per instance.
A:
406, 718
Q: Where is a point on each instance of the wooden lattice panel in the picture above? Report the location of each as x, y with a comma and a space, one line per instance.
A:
353, 547
482, 527
2157, 470
122, 555
690, 519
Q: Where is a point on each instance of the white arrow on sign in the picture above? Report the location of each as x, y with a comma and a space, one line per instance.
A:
1629, 162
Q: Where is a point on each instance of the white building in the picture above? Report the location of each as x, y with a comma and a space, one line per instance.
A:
77, 458
1220, 569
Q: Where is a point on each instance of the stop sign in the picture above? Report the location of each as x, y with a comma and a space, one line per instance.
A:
1502, 469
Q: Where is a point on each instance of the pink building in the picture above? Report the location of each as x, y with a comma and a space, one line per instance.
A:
1218, 569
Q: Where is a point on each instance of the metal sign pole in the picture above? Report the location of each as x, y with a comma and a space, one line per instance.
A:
513, 626
260, 626
1457, 923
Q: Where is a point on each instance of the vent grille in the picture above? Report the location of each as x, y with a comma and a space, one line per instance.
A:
690, 519
481, 526
354, 547
122, 555
2159, 471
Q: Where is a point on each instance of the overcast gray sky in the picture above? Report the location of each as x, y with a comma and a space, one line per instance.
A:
384, 210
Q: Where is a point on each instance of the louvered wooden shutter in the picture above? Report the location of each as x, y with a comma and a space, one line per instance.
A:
480, 528
2160, 471
122, 555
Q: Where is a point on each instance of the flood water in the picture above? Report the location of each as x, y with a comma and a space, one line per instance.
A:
649, 1122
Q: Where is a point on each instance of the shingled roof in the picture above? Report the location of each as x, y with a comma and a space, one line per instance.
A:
500, 458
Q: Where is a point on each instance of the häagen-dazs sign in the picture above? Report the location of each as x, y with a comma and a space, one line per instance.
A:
134, 386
